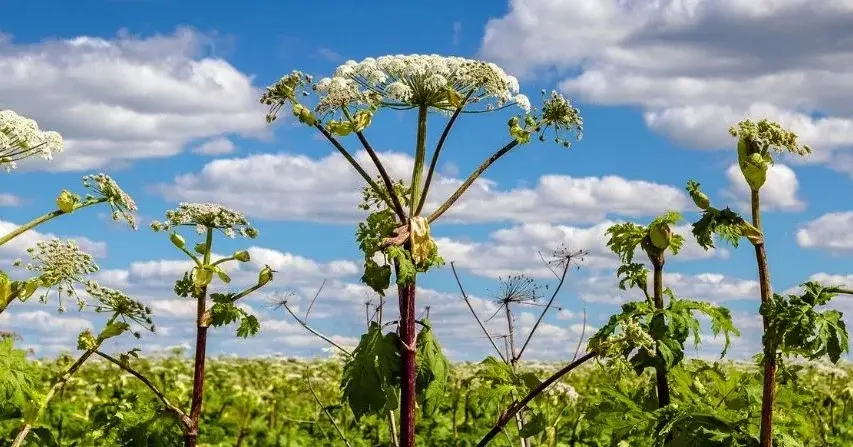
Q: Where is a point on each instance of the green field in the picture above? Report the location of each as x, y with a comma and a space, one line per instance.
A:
268, 402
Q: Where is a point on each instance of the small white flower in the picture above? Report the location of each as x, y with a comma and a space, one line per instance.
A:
21, 138
204, 216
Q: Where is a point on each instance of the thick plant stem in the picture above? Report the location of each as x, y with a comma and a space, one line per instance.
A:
191, 436
407, 381
660, 371
420, 155
769, 392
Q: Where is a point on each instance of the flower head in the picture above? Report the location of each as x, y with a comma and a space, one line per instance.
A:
21, 138
438, 82
115, 301
122, 205
61, 264
207, 216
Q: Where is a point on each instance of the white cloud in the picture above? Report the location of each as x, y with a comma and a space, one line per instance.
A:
780, 190
18, 246
327, 189
7, 199
712, 287
694, 67
516, 250
216, 146
830, 232
129, 97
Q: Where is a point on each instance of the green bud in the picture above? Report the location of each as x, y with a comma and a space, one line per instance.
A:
203, 276
361, 120
339, 128
66, 201
701, 199
661, 235
265, 275
242, 256
513, 122
86, 341
177, 240
200, 248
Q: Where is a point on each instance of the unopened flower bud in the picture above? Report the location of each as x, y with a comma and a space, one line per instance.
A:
701, 199
242, 256
177, 239
661, 235
265, 275
66, 201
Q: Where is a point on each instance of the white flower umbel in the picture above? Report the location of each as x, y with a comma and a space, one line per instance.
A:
21, 138
411, 81
104, 187
61, 264
205, 216
116, 302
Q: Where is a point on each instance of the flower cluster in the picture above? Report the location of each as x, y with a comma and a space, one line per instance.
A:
21, 138
104, 187
415, 80
206, 216
61, 264
115, 301
768, 135
562, 392
443, 83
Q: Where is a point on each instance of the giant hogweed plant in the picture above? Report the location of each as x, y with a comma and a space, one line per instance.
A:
398, 229
124, 313
660, 321
207, 219
101, 190
792, 325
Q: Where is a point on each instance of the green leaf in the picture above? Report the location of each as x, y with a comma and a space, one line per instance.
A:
433, 370
377, 277
534, 425
222, 275
249, 325
43, 437
372, 373
113, 329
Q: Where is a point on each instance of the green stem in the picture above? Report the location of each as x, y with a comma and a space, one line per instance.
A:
42, 219
56, 387
471, 178
420, 155
352, 161
437, 151
769, 383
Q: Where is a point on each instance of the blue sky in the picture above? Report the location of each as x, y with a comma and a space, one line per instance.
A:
140, 88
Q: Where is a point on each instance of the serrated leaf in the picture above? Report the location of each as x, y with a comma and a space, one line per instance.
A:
369, 376
433, 370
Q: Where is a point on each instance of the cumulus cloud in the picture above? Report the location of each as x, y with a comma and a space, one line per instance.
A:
712, 287
216, 146
694, 67
327, 189
780, 192
830, 232
127, 98
17, 247
516, 249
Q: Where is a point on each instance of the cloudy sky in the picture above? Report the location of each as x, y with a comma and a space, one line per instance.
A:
163, 97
